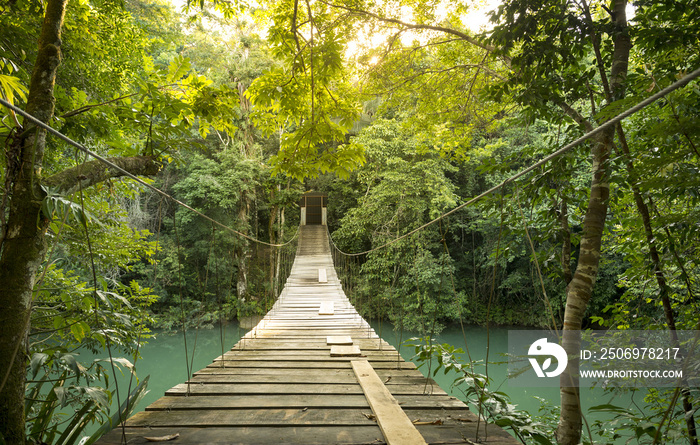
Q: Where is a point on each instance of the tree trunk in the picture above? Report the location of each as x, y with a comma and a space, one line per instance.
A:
580, 290
565, 234
90, 173
581, 286
244, 251
280, 253
643, 210
23, 247
275, 252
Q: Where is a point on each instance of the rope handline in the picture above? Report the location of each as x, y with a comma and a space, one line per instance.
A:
86, 150
625, 114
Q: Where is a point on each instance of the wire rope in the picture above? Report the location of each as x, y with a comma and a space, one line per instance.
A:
182, 305
126, 173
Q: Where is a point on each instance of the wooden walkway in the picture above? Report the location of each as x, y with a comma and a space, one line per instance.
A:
287, 382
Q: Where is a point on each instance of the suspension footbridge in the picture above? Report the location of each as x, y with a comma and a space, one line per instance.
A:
311, 372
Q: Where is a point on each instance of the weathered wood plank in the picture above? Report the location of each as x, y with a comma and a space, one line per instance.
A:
346, 351
297, 435
305, 435
332, 363
307, 354
245, 373
327, 308
393, 421
251, 417
199, 389
296, 343
338, 340
300, 401
281, 417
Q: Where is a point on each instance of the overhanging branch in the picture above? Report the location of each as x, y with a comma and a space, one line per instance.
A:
93, 172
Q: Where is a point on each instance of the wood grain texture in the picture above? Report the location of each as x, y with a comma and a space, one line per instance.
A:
393, 421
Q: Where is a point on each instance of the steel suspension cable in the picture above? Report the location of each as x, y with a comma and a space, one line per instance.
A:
126, 173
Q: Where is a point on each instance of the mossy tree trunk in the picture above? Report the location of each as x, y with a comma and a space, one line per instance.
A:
580, 289
23, 245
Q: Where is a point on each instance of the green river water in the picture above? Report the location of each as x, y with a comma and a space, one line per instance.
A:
163, 358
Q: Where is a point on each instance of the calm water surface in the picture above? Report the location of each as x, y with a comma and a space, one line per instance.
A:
163, 358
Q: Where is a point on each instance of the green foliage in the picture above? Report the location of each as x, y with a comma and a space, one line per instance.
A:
11, 86
69, 313
405, 186
309, 98
434, 87
492, 406
59, 407
640, 422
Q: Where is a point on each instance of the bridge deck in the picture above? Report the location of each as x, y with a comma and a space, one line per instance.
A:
281, 385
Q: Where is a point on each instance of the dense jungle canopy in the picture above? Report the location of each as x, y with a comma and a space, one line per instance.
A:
399, 111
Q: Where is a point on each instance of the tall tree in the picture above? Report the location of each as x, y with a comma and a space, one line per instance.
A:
24, 244
31, 166
549, 46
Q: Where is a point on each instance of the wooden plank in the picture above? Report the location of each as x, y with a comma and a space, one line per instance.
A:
292, 435
201, 389
327, 308
305, 435
257, 417
319, 354
298, 344
338, 340
345, 351
371, 356
263, 388
394, 423
279, 373
252, 417
301, 401
289, 378
335, 364
306, 377
322, 276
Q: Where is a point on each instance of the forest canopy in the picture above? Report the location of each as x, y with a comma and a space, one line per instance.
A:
399, 112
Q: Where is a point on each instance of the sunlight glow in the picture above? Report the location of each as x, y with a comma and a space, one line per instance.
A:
368, 39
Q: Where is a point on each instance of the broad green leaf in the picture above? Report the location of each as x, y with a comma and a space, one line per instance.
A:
80, 330
178, 68
38, 360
